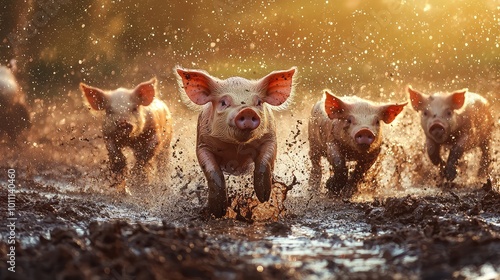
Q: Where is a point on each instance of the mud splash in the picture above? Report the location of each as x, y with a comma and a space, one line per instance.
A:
402, 223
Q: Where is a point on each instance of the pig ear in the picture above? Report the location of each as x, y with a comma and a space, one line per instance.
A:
390, 112
334, 106
278, 86
196, 85
416, 99
458, 99
145, 92
96, 97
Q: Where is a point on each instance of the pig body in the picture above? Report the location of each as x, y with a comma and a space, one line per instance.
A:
342, 130
460, 121
236, 128
134, 118
14, 114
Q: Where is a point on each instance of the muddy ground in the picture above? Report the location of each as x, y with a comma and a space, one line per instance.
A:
404, 223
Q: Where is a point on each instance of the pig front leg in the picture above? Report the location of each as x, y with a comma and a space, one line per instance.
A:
450, 171
316, 169
263, 172
217, 196
336, 183
359, 172
117, 160
433, 150
484, 167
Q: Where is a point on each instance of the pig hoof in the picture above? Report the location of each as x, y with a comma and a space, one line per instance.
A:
334, 186
450, 173
217, 206
217, 211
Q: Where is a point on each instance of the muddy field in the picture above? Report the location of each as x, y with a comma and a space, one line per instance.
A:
404, 223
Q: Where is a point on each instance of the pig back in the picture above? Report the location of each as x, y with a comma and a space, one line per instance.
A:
475, 120
159, 119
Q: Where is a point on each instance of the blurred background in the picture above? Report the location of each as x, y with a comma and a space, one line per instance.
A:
370, 48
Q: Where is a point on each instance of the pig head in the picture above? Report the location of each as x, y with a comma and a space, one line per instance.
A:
14, 113
236, 127
346, 129
134, 118
460, 120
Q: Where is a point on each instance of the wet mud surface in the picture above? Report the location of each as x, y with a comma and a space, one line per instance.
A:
402, 224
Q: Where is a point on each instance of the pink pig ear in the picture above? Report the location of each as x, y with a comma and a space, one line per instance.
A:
390, 112
334, 107
458, 99
145, 92
278, 86
196, 85
96, 97
416, 99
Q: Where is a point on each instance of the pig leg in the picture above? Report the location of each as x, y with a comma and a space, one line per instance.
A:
117, 160
217, 196
263, 172
316, 170
433, 150
359, 173
450, 171
484, 167
338, 181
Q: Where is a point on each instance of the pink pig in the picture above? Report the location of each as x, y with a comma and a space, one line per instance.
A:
134, 118
346, 129
236, 127
460, 120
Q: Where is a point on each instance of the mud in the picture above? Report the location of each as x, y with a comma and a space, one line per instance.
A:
403, 223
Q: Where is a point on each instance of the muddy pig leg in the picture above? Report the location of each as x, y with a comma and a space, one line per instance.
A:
263, 172
450, 171
433, 150
358, 174
484, 167
217, 196
117, 160
316, 169
338, 181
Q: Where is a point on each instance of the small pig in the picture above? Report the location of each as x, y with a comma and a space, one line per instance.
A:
460, 120
14, 114
134, 118
236, 127
346, 129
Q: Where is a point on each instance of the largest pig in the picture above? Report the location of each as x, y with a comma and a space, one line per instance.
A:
236, 127
460, 120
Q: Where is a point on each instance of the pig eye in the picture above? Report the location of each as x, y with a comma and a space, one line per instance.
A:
448, 113
259, 102
349, 120
223, 103
426, 113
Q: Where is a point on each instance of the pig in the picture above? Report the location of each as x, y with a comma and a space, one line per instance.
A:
236, 127
346, 129
460, 121
134, 118
14, 113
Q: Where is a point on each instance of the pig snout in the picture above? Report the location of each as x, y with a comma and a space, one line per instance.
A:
364, 137
437, 131
247, 119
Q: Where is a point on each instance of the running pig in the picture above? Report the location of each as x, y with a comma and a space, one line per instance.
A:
460, 120
346, 129
134, 118
236, 127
